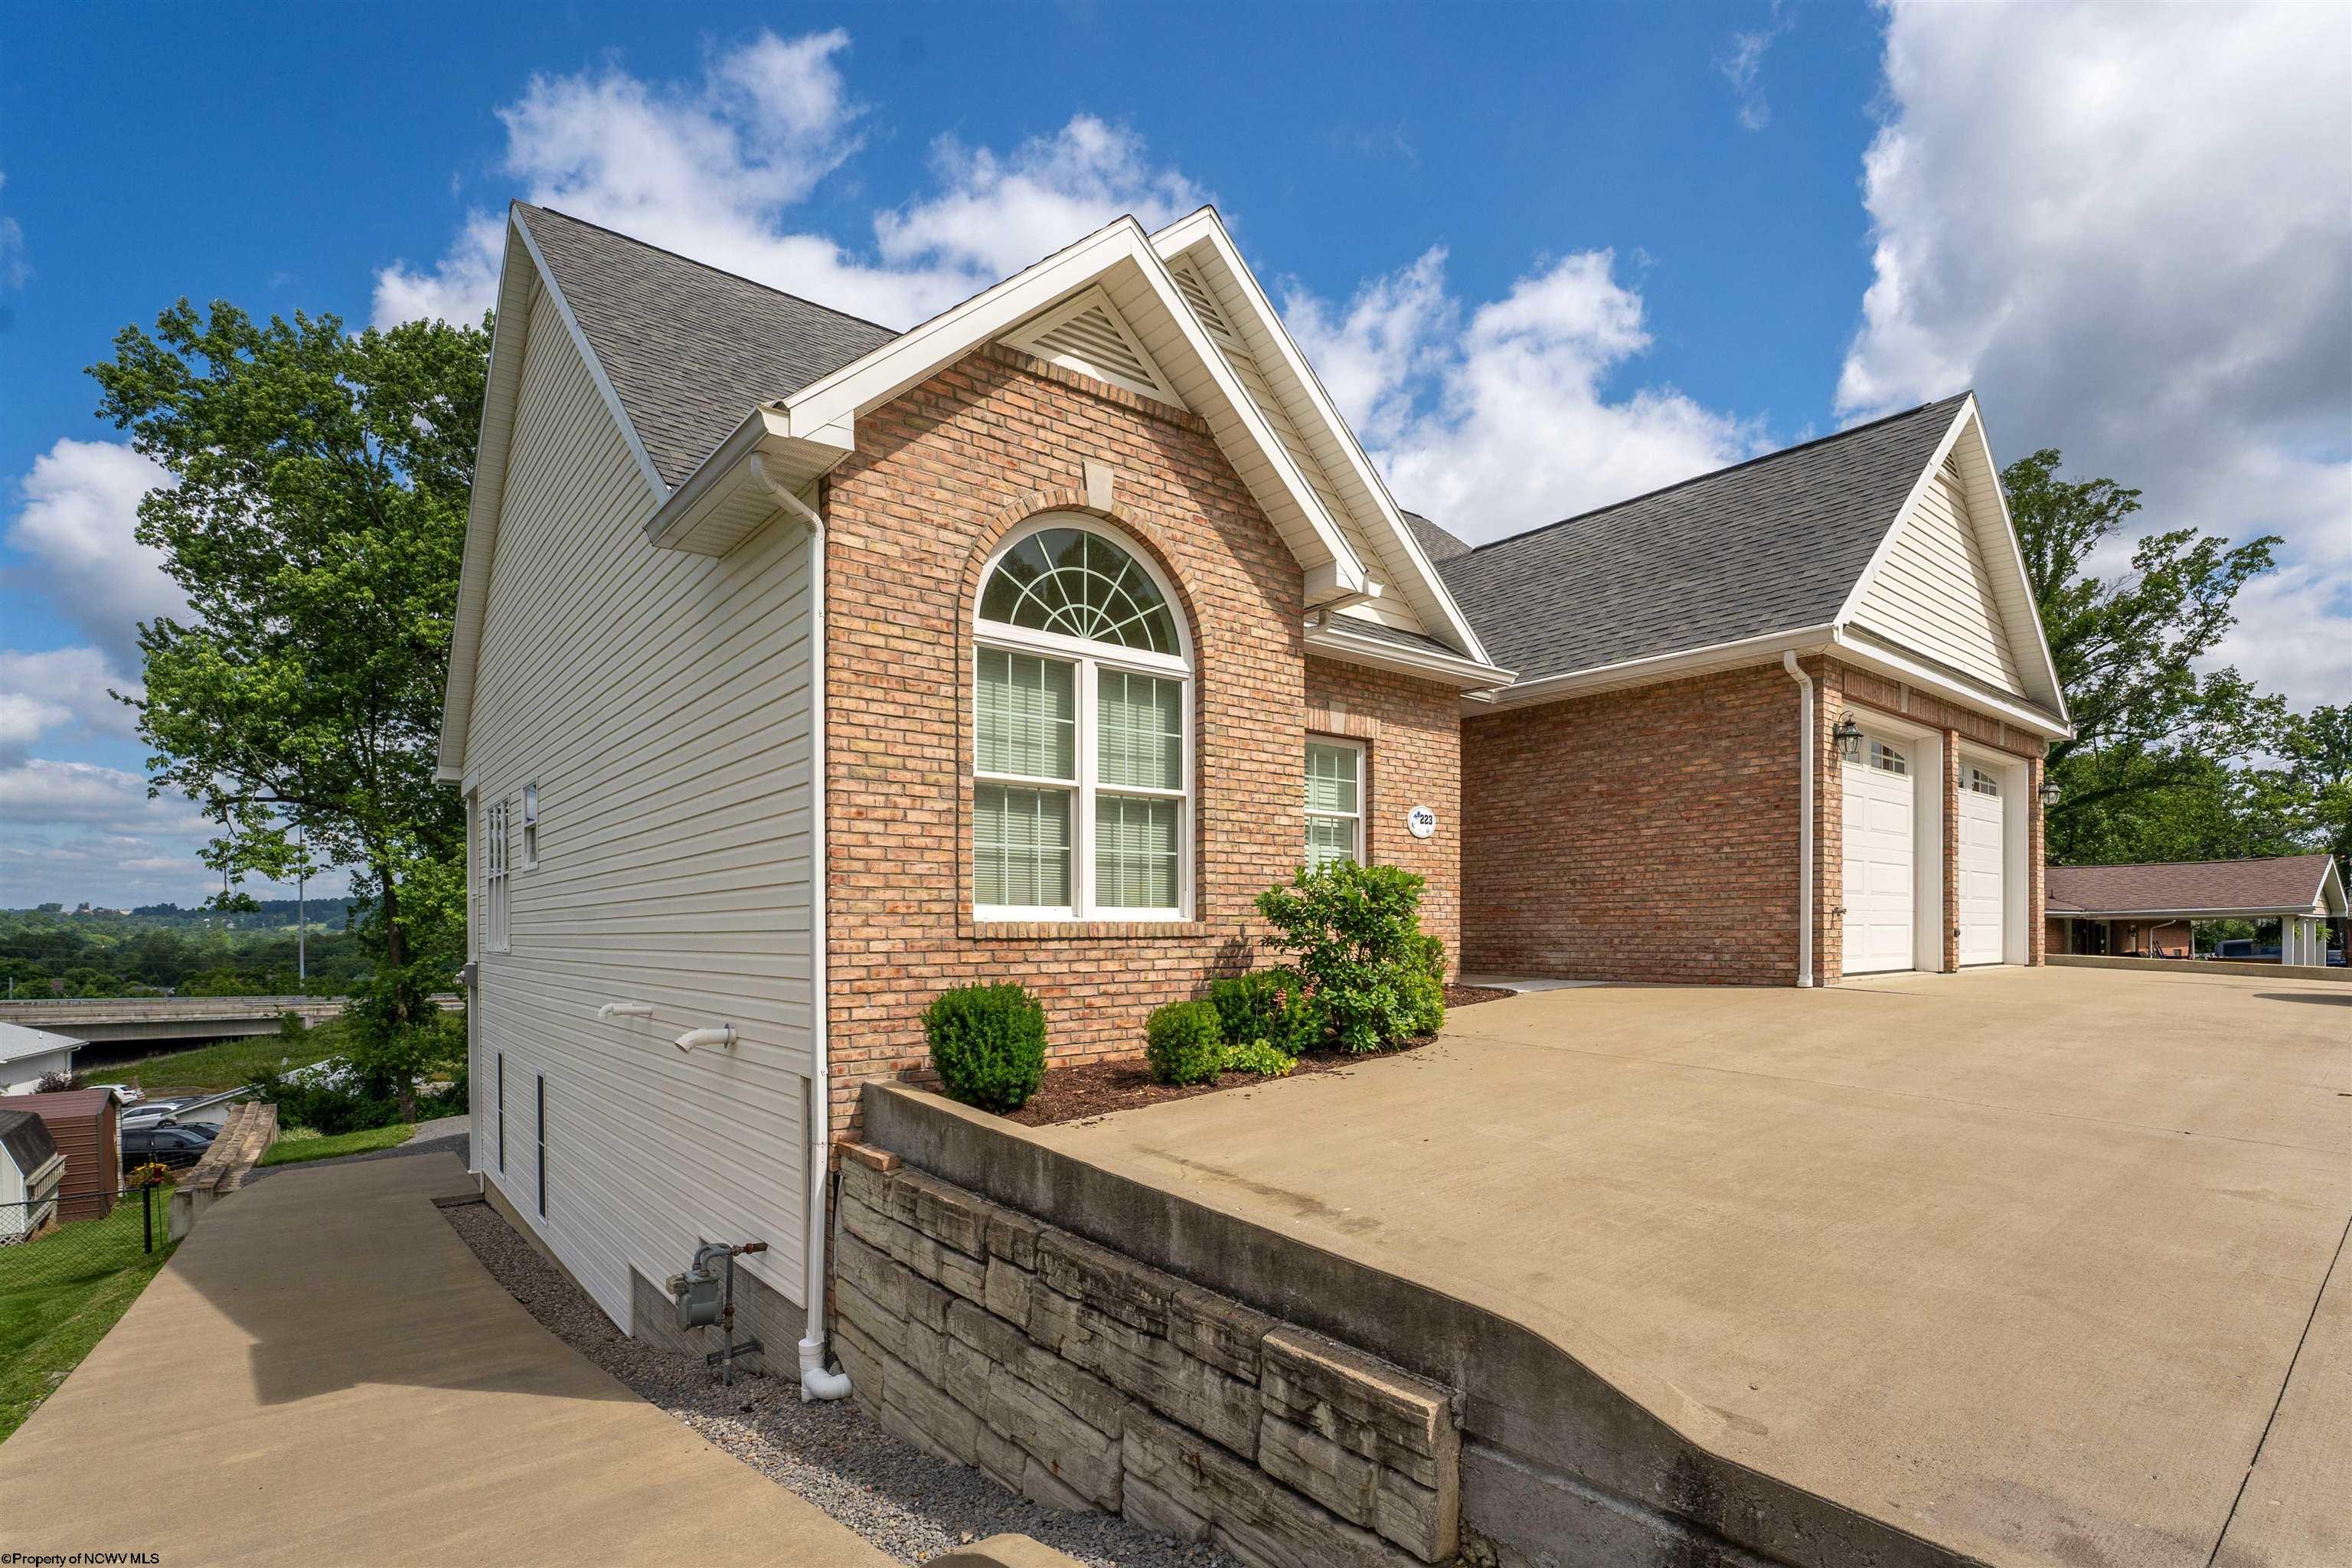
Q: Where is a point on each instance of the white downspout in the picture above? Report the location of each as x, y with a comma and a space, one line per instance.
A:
1804, 817
816, 1383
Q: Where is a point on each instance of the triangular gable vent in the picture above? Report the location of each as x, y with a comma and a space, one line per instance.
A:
1087, 335
1205, 305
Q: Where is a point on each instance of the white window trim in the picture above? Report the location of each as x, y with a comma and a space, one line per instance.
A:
496, 891
1091, 658
1340, 742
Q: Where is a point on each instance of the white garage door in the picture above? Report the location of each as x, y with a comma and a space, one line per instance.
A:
1981, 866
1878, 858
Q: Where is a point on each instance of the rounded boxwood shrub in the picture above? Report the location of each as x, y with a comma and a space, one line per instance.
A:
1184, 1043
1269, 1004
988, 1044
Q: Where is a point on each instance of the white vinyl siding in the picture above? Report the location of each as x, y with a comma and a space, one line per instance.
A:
660, 701
1335, 802
1932, 593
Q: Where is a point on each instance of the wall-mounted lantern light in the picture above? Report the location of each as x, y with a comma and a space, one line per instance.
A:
1848, 736
2049, 794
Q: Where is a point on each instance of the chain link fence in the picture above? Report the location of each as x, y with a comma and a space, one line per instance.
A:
67, 1236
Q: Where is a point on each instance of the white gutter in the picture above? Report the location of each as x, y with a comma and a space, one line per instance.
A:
816, 1383
1665, 666
1804, 819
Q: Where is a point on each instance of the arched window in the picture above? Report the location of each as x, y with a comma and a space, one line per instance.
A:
1082, 708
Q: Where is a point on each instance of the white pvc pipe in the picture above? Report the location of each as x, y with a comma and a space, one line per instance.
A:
1804, 817
720, 1039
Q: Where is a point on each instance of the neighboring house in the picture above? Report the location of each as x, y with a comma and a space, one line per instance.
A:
27, 1056
30, 1169
2150, 910
83, 1123
804, 670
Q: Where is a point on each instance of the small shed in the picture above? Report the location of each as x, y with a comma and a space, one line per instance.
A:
30, 1169
84, 1124
27, 1056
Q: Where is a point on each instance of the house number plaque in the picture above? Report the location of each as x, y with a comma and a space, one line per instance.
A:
1421, 822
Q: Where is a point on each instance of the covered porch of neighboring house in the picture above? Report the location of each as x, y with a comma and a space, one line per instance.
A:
2283, 909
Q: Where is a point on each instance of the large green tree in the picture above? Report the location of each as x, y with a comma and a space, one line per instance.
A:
316, 524
2154, 737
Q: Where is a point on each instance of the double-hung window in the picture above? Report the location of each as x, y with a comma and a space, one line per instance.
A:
1081, 735
1335, 802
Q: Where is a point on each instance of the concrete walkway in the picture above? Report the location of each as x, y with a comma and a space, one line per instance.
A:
323, 1374
2023, 1261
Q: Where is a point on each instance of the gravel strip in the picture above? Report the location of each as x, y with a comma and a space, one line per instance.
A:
906, 1502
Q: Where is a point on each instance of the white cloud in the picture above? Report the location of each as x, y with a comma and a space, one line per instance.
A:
60, 689
995, 216
2130, 228
1741, 61
44, 793
716, 169
1503, 423
80, 503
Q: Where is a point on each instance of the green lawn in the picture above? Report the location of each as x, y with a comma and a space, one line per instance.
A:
299, 1143
61, 1294
229, 1065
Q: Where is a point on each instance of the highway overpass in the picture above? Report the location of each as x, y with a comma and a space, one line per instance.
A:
166, 1021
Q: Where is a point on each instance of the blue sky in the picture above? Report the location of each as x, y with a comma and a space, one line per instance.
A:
1545, 256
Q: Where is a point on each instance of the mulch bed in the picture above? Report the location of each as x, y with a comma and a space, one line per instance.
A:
1097, 1089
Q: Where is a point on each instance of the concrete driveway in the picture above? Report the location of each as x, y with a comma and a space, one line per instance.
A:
324, 1373
2020, 1260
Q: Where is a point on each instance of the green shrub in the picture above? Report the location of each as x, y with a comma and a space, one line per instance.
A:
1184, 1043
1425, 992
1257, 1056
1354, 935
988, 1044
1269, 1004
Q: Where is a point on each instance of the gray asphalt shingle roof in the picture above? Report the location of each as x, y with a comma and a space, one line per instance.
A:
2279, 882
1434, 542
689, 348
1769, 545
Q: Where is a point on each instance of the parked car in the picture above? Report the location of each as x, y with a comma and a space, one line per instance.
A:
2245, 950
164, 1145
127, 1093
152, 1109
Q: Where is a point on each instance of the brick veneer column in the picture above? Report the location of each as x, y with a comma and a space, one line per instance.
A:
1951, 786
1828, 911
2036, 894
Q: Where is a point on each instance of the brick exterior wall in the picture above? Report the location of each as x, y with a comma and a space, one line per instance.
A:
940, 475
1650, 833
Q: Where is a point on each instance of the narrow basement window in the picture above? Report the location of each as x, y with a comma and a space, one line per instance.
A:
502, 1113
543, 1145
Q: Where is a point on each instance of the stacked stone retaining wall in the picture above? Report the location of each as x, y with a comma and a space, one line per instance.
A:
1082, 1378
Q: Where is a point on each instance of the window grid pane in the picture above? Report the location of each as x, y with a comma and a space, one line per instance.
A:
1028, 715
1331, 778
1135, 853
1076, 584
1020, 846
1140, 725
1328, 839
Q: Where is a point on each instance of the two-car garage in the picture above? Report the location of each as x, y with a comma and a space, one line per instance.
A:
1895, 791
